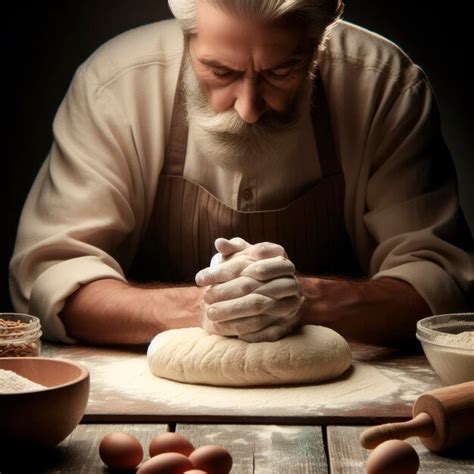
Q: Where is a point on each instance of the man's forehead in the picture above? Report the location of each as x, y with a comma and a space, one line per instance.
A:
224, 37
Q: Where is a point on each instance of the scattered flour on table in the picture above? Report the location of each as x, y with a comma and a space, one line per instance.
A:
463, 340
11, 382
131, 378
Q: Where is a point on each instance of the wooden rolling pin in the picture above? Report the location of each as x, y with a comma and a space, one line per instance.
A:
442, 418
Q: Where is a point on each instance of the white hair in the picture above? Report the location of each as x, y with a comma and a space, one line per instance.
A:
318, 15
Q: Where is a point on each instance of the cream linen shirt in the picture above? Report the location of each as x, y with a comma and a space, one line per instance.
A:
90, 203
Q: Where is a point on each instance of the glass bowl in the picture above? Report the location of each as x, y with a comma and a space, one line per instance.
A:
450, 353
20, 335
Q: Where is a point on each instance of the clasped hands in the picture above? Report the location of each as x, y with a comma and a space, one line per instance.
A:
252, 291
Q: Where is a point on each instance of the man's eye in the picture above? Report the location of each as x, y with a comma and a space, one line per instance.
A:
279, 74
222, 74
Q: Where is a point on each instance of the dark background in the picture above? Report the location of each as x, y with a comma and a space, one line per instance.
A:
44, 43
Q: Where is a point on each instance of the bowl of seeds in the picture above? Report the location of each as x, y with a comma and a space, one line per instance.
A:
19, 335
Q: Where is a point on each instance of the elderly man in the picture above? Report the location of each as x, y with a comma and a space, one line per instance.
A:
307, 148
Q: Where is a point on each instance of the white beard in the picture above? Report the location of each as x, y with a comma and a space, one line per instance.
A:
230, 142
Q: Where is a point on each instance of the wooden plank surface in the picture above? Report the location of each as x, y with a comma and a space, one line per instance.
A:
381, 386
346, 455
260, 449
264, 449
78, 453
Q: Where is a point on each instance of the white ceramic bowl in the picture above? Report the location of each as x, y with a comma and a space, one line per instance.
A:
450, 358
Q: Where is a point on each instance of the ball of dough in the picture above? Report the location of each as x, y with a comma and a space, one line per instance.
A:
192, 355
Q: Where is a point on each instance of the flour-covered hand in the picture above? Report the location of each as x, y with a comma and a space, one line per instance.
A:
252, 294
230, 248
243, 265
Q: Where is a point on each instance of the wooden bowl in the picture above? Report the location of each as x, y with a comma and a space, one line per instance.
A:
43, 418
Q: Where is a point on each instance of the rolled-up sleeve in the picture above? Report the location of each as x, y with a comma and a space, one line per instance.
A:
412, 210
80, 212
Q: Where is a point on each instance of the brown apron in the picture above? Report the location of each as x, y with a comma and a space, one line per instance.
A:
186, 219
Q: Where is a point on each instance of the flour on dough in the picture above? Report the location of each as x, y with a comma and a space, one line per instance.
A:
192, 355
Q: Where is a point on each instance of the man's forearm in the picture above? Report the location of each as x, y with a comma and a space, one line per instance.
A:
383, 311
113, 312
109, 311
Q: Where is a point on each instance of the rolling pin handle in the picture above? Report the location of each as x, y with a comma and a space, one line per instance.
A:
421, 425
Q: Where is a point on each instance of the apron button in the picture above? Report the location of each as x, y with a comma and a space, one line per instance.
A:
247, 194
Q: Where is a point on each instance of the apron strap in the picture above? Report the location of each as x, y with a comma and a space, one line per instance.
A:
175, 153
328, 158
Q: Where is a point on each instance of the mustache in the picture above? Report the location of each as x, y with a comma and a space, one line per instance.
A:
230, 123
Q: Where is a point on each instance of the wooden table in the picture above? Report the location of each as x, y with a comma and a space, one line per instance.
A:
262, 440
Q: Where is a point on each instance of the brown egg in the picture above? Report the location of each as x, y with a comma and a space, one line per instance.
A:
393, 457
166, 463
212, 459
170, 443
120, 450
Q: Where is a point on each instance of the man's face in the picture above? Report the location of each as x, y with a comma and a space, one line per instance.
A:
247, 65
247, 84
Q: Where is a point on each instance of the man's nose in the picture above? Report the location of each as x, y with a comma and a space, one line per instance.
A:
249, 103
